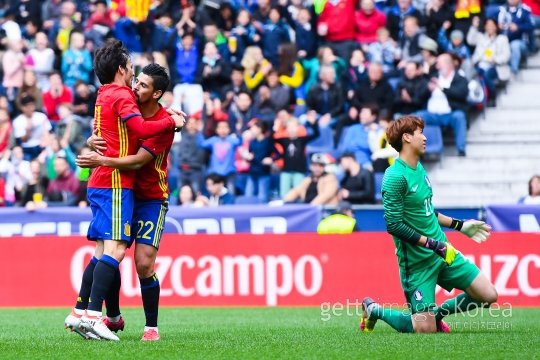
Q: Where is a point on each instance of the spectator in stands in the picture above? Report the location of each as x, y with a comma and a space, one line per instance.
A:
272, 98
125, 30
396, 16
438, 14
5, 130
325, 56
186, 196
361, 138
291, 72
192, 158
222, 148
69, 129
410, 42
534, 192
294, 144
36, 189
429, 57
235, 86
341, 222
77, 61
319, 188
13, 63
515, 21
84, 102
260, 159
218, 194
242, 35
30, 87
306, 35
58, 94
214, 71
357, 187
384, 155
337, 26
43, 59
383, 51
241, 112
188, 91
17, 173
447, 104
64, 190
356, 72
326, 97
256, 67
368, 20
211, 33
275, 33
374, 90
412, 91
31, 129
491, 55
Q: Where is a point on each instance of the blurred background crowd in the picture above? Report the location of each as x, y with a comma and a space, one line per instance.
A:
287, 99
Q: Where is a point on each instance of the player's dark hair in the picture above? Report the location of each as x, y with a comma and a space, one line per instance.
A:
406, 124
216, 178
159, 76
108, 59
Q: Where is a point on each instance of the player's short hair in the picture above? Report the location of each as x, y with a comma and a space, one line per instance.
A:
406, 124
108, 59
159, 76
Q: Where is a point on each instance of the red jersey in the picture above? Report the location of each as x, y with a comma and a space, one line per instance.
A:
151, 179
119, 121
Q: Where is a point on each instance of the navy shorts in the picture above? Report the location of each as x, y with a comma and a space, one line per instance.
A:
148, 222
112, 211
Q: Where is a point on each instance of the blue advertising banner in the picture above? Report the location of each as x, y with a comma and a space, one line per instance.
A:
524, 218
255, 219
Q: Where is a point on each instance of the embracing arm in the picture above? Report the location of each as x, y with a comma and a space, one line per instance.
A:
130, 162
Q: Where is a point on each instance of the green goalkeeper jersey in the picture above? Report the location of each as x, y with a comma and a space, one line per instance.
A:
409, 213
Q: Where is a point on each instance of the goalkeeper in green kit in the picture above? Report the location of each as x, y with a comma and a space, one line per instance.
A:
425, 257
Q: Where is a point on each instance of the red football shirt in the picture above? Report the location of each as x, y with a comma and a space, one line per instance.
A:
151, 180
118, 120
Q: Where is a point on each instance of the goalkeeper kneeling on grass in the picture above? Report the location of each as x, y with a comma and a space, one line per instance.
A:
425, 257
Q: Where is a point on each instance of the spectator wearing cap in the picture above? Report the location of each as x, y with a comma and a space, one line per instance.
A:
319, 187
455, 44
429, 51
341, 222
31, 129
357, 186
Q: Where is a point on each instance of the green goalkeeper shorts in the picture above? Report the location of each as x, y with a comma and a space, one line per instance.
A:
419, 286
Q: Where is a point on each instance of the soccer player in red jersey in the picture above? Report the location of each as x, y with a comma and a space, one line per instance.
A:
110, 194
151, 193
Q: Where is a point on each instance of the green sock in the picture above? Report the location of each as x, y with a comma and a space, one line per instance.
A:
461, 303
397, 319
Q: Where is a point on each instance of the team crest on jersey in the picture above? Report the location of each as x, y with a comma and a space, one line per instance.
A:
418, 295
127, 229
427, 180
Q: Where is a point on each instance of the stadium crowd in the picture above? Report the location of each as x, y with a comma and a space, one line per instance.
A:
287, 99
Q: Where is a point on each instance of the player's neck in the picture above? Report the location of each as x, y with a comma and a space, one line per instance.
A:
149, 109
410, 158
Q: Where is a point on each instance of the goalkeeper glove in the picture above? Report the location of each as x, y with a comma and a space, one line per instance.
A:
443, 249
477, 230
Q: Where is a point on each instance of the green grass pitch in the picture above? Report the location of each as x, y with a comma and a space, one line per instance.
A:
270, 333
